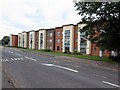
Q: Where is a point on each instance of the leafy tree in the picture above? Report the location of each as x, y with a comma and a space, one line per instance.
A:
102, 18
5, 40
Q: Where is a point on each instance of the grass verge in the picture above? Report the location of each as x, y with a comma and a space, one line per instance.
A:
87, 57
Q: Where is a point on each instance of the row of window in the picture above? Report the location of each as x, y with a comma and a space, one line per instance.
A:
50, 34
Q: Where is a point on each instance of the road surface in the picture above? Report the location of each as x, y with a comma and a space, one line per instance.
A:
23, 69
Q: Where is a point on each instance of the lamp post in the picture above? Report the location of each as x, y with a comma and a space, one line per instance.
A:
101, 52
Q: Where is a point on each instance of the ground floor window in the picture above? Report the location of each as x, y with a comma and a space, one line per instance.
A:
94, 50
58, 48
50, 47
83, 50
67, 49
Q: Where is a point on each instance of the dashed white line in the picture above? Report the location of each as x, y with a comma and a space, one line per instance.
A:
66, 68
31, 58
12, 59
69, 69
100, 76
110, 84
47, 64
5, 60
15, 58
17, 54
11, 52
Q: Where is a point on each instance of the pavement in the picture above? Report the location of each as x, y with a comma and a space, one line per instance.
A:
24, 69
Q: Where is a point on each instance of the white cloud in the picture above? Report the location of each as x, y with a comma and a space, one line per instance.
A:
23, 15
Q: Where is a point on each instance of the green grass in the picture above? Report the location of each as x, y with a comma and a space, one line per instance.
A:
87, 57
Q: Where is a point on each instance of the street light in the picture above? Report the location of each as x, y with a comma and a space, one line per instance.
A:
101, 52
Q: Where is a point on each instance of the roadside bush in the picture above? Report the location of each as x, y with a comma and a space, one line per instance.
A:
19, 47
77, 53
47, 50
116, 58
67, 52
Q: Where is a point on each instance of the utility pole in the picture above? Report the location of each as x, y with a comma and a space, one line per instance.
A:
100, 52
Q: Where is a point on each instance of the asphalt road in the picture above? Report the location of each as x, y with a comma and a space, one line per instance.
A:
23, 69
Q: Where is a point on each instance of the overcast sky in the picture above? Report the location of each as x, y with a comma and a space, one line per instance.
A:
24, 15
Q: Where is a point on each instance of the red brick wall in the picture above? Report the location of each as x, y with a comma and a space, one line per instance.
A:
60, 37
107, 53
52, 44
27, 39
95, 51
36, 39
75, 38
15, 40
93, 46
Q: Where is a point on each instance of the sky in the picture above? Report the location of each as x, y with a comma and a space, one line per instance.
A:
25, 15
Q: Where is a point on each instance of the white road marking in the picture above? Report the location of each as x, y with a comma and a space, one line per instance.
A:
31, 58
20, 58
11, 52
69, 69
12, 59
47, 64
17, 54
100, 76
6, 60
1, 59
15, 59
111, 84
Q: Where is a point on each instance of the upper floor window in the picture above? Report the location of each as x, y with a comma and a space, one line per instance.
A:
50, 40
83, 35
76, 31
58, 40
76, 40
31, 36
41, 34
23, 36
67, 33
62, 40
50, 34
58, 33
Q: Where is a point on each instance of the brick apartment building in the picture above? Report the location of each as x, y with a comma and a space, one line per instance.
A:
42, 39
36, 40
19, 39
94, 49
68, 38
27, 39
84, 45
61, 39
75, 38
24, 39
58, 39
14, 40
50, 43
32, 39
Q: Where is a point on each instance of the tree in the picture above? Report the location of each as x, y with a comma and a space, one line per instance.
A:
5, 40
102, 18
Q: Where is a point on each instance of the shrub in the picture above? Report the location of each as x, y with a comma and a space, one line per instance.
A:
46, 50
77, 53
19, 47
67, 52
116, 58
